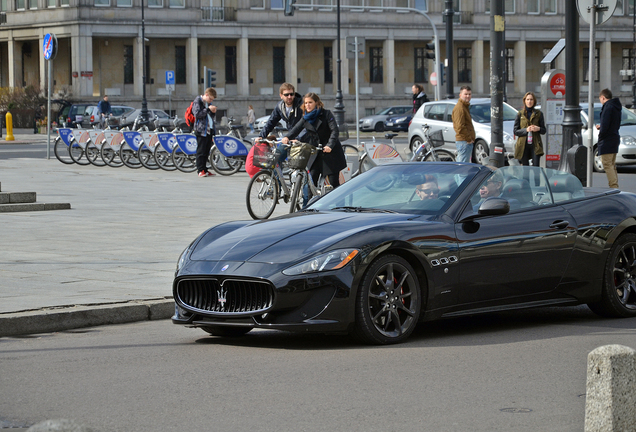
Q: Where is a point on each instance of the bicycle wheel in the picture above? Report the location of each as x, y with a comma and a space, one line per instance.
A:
296, 201
110, 156
440, 155
222, 164
129, 157
163, 159
183, 162
94, 155
262, 195
61, 152
146, 157
76, 152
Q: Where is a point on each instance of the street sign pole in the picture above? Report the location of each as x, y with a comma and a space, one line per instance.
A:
50, 51
170, 82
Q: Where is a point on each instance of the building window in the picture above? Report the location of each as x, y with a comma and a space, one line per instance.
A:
155, 3
328, 62
619, 11
510, 64
124, 3
421, 71
230, 65
276, 4
19, 4
257, 4
586, 65
414, 4
464, 61
177, 3
279, 65
102, 3
129, 71
49, 3
64, 2
533, 6
628, 63
550, 7
548, 66
375, 65
180, 64
33, 4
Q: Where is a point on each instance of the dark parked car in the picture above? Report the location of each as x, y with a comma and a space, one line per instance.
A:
412, 242
163, 119
76, 114
398, 123
91, 116
375, 122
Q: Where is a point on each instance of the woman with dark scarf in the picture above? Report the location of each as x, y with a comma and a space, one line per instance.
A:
320, 127
529, 126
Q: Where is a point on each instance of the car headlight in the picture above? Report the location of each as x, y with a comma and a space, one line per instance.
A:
328, 261
507, 137
400, 120
628, 140
368, 121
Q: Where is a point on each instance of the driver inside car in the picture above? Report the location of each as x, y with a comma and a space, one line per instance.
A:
428, 189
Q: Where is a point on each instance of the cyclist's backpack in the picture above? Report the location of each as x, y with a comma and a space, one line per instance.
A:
189, 117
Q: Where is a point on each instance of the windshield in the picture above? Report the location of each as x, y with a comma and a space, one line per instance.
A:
481, 112
385, 111
418, 188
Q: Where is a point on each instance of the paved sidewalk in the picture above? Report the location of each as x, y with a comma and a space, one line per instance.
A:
111, 257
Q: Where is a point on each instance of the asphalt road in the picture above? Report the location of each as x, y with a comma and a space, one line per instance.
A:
518, 371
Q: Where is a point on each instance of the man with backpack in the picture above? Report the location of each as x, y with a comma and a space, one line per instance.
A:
204, 130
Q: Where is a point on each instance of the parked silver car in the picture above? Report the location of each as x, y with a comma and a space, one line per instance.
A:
627, 148
438, 115
376, 122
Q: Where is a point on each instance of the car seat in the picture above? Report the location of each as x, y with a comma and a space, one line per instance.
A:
519, 190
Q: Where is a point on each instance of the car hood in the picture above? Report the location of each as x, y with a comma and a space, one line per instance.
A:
289, 238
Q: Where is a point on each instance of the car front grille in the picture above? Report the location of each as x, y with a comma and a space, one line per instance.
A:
231, 296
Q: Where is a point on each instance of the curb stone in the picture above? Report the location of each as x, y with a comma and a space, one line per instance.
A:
67, 318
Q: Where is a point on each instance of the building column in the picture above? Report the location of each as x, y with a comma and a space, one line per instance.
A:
478, 67
520, 69
12, 60
344, 67
138, 64
82, 63
42, 63
291, 60
388, 65
192, 68
243, 66
605, 69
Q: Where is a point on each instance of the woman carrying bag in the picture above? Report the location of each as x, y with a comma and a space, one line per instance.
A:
529, 126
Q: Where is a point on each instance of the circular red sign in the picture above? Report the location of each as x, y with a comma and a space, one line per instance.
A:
557, 84
433, 78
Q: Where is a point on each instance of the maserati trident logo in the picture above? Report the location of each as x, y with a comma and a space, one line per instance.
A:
221, 296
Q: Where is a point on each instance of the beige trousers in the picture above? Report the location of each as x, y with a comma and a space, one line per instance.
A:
609, 165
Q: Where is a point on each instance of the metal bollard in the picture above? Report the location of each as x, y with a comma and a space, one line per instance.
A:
10, 136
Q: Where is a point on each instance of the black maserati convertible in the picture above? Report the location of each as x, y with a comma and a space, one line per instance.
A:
412, 242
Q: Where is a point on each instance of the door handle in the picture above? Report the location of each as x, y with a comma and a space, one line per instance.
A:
559, 224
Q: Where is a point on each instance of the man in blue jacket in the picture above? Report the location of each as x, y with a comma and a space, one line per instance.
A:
608, 137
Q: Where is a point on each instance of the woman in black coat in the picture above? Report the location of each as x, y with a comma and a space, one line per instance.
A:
320, 127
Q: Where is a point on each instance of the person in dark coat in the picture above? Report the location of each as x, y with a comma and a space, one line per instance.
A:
419, 97
320, 127
204, 129
608, 137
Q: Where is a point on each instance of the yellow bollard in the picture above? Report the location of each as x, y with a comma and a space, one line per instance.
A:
9, 120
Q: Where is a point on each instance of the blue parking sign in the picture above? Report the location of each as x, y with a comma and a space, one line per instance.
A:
170, 77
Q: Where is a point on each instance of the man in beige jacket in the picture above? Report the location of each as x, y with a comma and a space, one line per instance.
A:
463, 125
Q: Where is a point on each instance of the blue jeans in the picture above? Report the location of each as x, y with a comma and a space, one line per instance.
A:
464, 151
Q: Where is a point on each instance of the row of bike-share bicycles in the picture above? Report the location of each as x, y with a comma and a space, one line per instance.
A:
169, 151
278, 179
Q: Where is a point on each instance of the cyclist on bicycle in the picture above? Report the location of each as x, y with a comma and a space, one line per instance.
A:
320, 127
104, 111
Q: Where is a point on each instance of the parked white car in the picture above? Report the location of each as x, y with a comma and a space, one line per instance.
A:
438, 115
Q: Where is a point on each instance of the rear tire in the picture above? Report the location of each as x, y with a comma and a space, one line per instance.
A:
184, 162
129, 157
618, 295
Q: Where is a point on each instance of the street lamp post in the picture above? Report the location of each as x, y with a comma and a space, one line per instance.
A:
448, 12
144, 102
338, 108
633, 55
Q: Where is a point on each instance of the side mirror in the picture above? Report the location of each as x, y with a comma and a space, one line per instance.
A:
494, 206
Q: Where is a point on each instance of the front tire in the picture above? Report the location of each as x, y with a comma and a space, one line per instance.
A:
262, 195
598, 163
224, 165
416, 142
618, 296
388, 302
379, 127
